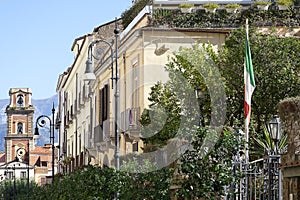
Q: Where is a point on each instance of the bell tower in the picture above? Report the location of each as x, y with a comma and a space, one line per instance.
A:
19, 136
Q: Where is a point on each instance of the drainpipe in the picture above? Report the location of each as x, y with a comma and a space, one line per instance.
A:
76, 121
91, 115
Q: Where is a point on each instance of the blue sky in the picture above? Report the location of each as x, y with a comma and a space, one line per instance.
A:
36, 38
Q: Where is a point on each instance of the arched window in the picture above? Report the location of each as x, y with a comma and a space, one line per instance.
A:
20, 128
20, 101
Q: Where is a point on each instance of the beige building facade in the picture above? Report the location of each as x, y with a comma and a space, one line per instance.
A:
87, 107
73, 115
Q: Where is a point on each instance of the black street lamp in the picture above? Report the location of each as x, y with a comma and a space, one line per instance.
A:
273, 161
89, 76
274, 130
41, 122
14, 176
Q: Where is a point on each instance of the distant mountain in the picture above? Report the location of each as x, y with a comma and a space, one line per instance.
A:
41, 107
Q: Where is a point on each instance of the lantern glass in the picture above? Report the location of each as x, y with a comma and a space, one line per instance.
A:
274, 128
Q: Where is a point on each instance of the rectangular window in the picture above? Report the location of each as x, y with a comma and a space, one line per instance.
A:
100, 108
44, 163
79, 141
103, 104
65, 142
135, 84
23, 175
135, 146
9, 175
69, 147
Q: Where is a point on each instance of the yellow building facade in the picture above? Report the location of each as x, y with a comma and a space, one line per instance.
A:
87, 107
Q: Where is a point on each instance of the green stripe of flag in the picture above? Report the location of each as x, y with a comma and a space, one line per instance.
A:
248, 62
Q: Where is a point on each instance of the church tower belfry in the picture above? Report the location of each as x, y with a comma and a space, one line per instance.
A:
19, 124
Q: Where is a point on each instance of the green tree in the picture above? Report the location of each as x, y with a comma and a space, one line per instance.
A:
276, 69
146, 181
161, 121
205, 168
205, 175
16, 189
90, 183
174, 110
103, 183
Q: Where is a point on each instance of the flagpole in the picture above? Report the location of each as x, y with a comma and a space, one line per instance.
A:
246, 118
249, 85
245, 162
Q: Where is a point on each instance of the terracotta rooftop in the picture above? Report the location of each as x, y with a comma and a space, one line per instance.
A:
2, 157
42, 150
33, 160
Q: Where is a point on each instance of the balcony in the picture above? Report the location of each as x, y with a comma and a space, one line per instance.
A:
102, 132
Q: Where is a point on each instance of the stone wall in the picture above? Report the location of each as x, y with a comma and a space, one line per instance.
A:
289, 112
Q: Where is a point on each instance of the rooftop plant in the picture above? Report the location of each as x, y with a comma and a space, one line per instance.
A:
232, 5
211, 5
186, 5
198, 19
285, 2
128, 15
262, 3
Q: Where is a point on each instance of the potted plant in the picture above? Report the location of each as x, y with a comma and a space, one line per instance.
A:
211, 7
67, 160
262, 5
284, 4
186, 7
232, 7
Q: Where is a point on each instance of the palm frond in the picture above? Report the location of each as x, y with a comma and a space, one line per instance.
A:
267, 143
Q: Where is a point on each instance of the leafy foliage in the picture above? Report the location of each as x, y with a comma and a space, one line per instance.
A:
285, 2
162, 120
153, 184
206, 168
276, 68
202, 19
265, 143
186, 5
128, 15
10, 189
233, 5
206, 175
211, 5
96, 183
174, 106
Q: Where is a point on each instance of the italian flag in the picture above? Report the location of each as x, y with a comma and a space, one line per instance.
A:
249, 83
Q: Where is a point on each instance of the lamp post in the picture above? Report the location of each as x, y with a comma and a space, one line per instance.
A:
274, 131
89, 76
40, 121
274, 173
14, 175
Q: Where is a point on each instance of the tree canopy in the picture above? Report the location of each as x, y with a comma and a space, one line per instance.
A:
205, 167
276, 66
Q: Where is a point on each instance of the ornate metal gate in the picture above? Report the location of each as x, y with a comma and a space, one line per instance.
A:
260, 179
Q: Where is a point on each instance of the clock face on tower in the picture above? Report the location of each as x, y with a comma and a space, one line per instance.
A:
21, 153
